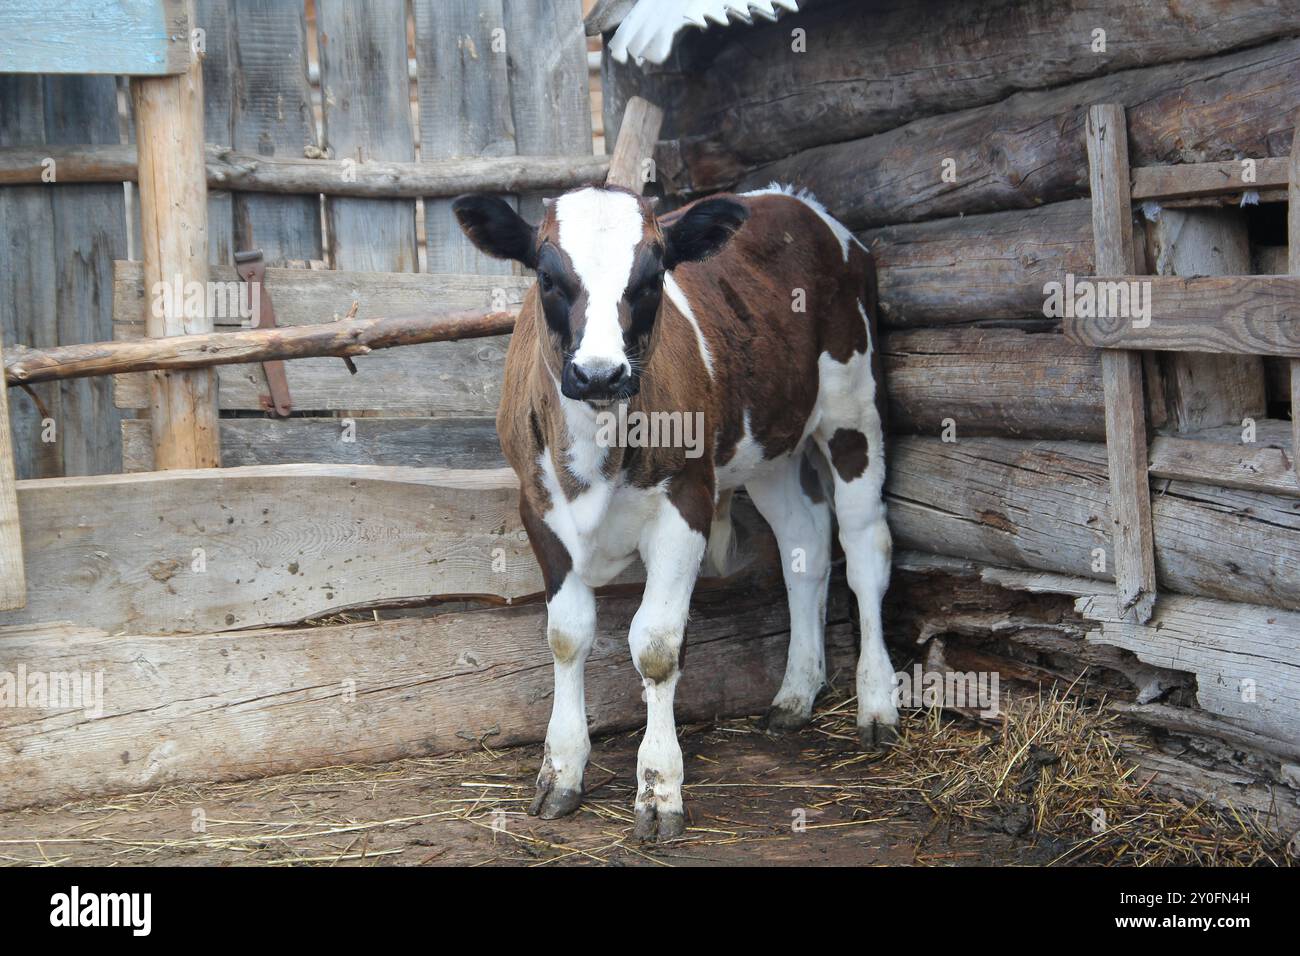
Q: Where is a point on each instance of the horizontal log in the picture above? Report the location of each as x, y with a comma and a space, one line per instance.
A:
347, 337
1045, 506
169, 552
992, 381
980, 267
1208, 179
228, 706
1246, 659
1028, 150
873, 67
417, 442
228, 169
1220, 456
1242, 315
445, 379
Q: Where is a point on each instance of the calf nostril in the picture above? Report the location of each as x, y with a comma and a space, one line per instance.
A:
580, 375
616, 375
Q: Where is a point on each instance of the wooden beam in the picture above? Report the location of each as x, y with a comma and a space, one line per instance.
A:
226, 168
174, 247
1218, 456
635, 145
166, 552
1121, 372
13, 582
1204, 390
1293, 266
1246, 659
1207, 179
1245, 315
121, 37
1044, 506
347, 337
230, 706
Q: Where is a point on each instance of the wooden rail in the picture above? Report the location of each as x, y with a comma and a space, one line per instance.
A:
1242, 315
347, 337
376, 179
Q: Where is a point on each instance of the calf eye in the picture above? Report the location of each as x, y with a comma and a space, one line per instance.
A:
545, 281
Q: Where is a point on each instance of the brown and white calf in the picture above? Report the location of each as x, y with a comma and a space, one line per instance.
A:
757, 312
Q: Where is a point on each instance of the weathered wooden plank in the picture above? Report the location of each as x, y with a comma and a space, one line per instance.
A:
1204, 390
1219, 456
13, 580
634, 147
550, 106
219, 73
462, 57
233, 548
89, 233
117, 37
1208, 179
272, 116
174, 247
1030, 149
417, 442
1121, 372
1293, 267
375, 179
237, 705
455, 379
992, 381
28, 280
210, 549
1246, 659
366, 111
868, 68
1045, 506
1245, 315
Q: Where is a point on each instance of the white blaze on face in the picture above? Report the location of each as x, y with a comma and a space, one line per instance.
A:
600, 230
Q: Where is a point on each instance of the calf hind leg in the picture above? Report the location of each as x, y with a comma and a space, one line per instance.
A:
852, 439
791, 500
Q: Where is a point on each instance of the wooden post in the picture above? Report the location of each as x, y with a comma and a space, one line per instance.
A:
1126, 438
174, 245
1293, 266
13, 580
636, 143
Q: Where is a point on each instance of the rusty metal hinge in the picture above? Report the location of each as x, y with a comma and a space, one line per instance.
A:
252, 269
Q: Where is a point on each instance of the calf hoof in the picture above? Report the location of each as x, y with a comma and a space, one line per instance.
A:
552, 802
877, 736
785, 719
652, 825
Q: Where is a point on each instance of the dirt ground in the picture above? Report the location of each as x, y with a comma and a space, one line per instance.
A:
751, 798
951, 793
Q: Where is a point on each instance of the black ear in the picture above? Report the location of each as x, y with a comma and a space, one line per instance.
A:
702, 230
496, 229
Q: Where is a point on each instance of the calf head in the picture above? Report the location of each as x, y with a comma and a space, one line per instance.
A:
600, 256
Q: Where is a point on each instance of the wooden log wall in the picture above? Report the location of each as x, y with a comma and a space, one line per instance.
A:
952, 141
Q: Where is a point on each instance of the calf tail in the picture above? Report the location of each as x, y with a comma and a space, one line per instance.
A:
722, 537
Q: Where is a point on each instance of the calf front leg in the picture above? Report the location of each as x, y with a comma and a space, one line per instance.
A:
671, 550
570, 632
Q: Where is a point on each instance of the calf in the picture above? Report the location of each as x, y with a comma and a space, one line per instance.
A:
753, 314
